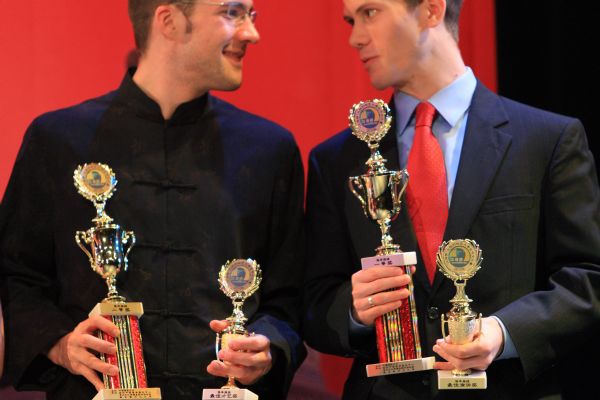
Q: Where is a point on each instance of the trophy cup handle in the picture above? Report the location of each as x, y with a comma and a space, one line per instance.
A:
128, 240
218, 345
401, 183
357, 189
444, 322
82, 238
404, 178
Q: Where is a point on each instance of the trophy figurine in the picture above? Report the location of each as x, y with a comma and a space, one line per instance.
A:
379, 192
459, 260
238, 279
109, 246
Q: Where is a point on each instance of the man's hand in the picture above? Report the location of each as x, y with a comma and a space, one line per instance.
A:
477, 354
74, 351
372, 284
247, 358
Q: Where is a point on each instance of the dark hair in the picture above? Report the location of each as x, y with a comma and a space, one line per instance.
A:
452, 14
141, 13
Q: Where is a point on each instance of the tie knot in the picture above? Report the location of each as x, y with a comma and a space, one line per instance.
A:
425, 114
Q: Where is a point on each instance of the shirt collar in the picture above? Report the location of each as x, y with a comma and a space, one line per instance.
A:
451, 102
131, 95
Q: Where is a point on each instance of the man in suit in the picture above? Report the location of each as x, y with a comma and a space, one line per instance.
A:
200, 183
519, 181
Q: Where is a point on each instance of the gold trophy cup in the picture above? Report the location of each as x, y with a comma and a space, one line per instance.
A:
379, 192
238, 279
459, 260
109, 246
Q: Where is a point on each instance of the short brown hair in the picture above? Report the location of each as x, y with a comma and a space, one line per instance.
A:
141, 13
452, 14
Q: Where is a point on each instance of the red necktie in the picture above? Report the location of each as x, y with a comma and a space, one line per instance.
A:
426, 194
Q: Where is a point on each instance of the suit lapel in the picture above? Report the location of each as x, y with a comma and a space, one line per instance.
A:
482, 153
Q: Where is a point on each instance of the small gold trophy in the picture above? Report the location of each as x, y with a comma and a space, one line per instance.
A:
459, 260
238, 279
379, 192
109, 247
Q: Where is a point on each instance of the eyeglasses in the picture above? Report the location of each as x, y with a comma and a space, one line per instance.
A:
235, 11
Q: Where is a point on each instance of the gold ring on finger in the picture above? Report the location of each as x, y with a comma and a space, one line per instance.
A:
370, 301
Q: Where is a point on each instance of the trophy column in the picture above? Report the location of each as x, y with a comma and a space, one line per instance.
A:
459, 260
238, 279
379, 192
107, 247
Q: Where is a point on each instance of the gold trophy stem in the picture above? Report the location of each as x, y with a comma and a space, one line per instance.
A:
102, 217
376, 162
461, 295
387, 246
230, 383
113, 295
237, 319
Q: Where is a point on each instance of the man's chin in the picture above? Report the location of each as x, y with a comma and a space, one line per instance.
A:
379, 84
230, 85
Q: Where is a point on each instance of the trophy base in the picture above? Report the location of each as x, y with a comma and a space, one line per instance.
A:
239, 394
396, 260
475, 380
118, 309
400, 367
133, 394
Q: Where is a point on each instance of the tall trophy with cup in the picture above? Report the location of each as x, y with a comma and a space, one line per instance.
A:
107, 246
238, 279
380, 191
459, 260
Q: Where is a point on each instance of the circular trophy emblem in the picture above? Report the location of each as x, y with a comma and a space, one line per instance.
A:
240, 278
96, 182
459, 259
370, 120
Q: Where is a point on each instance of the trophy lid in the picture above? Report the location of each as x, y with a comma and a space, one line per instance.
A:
459, 259
370, 120
240, 278
95, 181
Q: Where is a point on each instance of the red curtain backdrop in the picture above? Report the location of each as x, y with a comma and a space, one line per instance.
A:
302, 74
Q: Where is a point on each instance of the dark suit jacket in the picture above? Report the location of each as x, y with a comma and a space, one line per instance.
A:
211, 184
527, 192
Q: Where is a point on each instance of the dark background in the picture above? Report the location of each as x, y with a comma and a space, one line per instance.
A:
545, 51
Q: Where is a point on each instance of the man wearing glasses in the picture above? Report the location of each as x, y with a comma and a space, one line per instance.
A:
200, 182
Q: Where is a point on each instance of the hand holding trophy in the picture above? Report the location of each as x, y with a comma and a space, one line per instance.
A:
108, 248
379, 192
459, 260
238, 279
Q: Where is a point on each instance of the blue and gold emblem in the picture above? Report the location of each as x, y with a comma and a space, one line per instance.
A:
370, 120
95, 181
240, 278
459, 259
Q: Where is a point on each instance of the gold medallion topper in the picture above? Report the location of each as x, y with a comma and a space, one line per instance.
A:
459, 259
370, 120
239, 278
94, 181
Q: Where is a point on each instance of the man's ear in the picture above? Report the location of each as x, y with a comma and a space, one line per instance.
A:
169, 22
433, 12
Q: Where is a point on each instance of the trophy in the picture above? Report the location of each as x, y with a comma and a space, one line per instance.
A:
459, 260
238, 279
379, 192
109, 246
